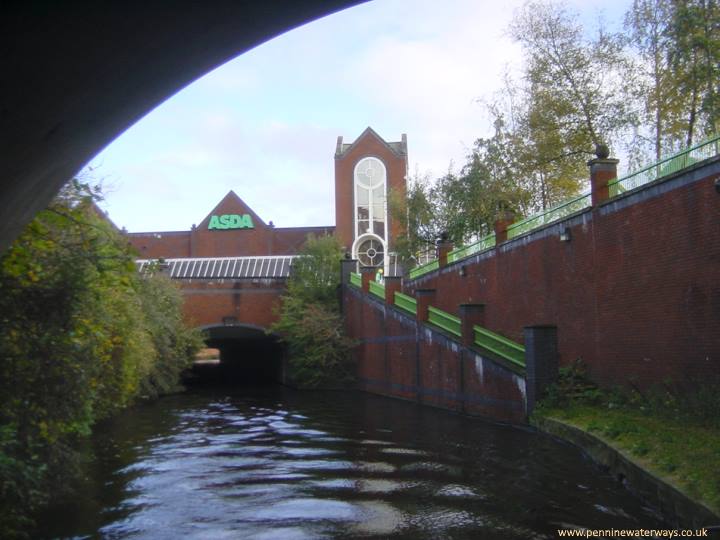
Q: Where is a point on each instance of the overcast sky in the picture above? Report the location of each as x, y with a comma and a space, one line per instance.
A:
265, 124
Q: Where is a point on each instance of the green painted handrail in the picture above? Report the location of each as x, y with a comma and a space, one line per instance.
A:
445, 320
486, 242
550, 215
706, 149
377, 289
667, 166
424, 269
355, 279
405, 302
502, 346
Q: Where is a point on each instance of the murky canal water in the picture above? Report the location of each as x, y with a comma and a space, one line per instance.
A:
275, 463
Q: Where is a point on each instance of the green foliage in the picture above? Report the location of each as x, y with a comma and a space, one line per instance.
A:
675, 46
683, 449
673, 430
310, 323
175, 345
318, 350
316, 272
695, 57
81, 336
418, 213
653, 90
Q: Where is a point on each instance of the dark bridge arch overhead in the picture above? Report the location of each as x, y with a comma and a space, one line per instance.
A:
74, 75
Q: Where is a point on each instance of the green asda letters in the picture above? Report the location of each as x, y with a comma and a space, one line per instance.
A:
231, 221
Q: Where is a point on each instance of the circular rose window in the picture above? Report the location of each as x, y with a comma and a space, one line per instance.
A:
371, 252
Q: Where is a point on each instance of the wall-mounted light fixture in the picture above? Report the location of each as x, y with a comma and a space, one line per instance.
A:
717, 184
463, 271
565, 235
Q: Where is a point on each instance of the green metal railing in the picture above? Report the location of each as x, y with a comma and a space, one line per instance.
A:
706, 149
502, 346
406, 303
424, 269
550, 215
444, 320
355, 279
377, 289
484, 243
666, 166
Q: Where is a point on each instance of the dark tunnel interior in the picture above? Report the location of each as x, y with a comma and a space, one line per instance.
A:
247, 356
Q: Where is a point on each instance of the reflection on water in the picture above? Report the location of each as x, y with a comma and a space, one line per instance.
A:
274, 463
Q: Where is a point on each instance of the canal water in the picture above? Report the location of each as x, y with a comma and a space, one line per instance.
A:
273, 463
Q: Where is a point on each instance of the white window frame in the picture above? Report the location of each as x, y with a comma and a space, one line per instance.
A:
370, 233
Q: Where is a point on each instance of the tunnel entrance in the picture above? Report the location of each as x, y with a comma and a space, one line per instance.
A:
247, 355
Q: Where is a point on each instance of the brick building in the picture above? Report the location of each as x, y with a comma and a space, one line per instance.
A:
366, 171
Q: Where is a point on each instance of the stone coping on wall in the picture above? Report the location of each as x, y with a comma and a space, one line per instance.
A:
674, 506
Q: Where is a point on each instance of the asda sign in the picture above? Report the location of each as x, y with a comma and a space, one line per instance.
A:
231, 221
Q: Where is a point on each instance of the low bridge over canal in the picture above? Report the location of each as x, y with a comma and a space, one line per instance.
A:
234, 300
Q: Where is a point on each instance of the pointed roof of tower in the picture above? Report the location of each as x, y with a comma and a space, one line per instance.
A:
231, 204
399, 148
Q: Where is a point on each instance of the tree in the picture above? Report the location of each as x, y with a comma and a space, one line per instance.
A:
81, 336
573, 86
695, 56
310, 323
316, 272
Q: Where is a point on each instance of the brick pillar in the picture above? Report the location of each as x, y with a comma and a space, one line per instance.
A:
602, 170
541, 361
471, 315
443, 248
392, 284
424, 297
347, 266
503, 221
368, 274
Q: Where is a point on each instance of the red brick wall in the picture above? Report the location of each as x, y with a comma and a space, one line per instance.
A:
635, 294
206, 303
398, 357
203, 242
174, 244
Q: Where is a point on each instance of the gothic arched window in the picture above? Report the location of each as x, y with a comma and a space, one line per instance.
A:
370, 212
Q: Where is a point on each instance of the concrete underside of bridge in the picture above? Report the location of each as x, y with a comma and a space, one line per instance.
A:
248, 355
74, 75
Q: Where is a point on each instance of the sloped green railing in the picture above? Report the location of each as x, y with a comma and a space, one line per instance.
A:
377, 289
502, 346
406, 303
424, 269
550, 215
444, 320
355, 279
666, 166
706, 149
486, 242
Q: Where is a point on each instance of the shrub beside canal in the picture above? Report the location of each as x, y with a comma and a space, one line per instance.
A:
82, 335
673, 431
310, 323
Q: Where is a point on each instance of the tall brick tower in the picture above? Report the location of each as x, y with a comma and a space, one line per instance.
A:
366, 172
